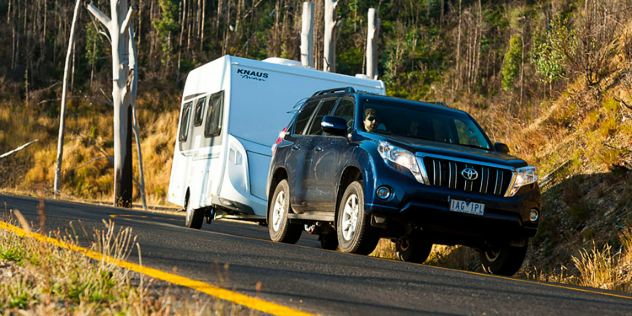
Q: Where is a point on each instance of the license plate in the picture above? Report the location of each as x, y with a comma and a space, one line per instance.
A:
467, 207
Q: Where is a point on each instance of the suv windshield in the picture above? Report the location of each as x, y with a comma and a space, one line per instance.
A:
416, 121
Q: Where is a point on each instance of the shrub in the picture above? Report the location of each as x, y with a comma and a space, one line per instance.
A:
513, 60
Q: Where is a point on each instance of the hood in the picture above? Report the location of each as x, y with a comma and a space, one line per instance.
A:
457, 151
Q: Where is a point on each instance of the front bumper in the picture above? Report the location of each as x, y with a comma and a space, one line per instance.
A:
428, 209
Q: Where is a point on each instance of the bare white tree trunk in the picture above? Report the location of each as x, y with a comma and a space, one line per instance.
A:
329, 60
118, 28
133, 66
307, 35
62, 114
371, 43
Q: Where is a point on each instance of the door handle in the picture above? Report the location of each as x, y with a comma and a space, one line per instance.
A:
318, 148
296, 147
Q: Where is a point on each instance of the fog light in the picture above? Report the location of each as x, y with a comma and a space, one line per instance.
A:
533, 215
383, 192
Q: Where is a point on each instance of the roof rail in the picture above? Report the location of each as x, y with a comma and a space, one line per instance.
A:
440, 103
329, 91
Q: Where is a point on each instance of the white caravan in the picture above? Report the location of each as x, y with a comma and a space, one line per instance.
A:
231, 114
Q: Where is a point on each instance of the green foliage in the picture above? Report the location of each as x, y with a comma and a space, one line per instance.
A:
551, 49
93, 44
166, 26
513, 60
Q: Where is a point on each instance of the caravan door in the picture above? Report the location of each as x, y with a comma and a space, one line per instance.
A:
180, 168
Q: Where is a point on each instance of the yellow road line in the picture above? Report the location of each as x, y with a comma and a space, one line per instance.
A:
534, 282
251, 302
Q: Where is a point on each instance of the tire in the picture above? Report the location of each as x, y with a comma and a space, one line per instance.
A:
411, 250
505, 260
194, 217
353, 227
280, 228
329, 241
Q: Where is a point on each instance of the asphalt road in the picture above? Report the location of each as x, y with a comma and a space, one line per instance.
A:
305, 277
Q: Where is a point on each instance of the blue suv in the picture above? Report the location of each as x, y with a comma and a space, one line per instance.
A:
354, 168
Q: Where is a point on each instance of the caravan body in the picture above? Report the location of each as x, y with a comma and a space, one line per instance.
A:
231, 113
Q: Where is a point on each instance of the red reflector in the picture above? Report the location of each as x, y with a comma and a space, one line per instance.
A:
279, 140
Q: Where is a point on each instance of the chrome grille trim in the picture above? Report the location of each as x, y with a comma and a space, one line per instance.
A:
484, 180
451, 168
480, 163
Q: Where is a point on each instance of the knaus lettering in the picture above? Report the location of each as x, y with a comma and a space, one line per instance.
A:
255, 75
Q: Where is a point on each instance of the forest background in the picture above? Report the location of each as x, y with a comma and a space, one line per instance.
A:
551, 78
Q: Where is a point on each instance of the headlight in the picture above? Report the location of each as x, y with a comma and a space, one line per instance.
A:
524, 176
401, 157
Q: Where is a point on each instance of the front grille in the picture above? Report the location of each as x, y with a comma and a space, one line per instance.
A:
447, 173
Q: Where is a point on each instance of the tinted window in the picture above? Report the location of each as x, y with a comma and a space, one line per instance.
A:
345, 110
199, 112
468, 133
214, 115
416, 120
303, 117
184, 122
324, 109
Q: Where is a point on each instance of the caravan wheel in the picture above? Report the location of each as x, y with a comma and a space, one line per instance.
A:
195, 217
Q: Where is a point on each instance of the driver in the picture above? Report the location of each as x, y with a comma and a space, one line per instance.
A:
371, 121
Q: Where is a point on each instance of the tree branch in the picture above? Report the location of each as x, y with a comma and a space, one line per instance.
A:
93, 159
18, 149
99, 15
127, 20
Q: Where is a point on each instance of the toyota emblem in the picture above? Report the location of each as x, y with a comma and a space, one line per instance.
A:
469, 174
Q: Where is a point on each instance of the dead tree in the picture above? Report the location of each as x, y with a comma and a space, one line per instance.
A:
119, 34
307, 35
62, 114
329, 62
371, 43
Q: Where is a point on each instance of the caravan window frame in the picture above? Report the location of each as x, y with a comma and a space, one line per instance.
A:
219, 113
185, 120
198, 114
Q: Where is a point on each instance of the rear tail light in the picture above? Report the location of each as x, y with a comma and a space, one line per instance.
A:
279, 140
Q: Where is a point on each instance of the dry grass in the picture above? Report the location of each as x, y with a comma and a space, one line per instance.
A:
41, 279
87, 173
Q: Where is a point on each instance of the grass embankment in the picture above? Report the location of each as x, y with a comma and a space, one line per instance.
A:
87, 168
43, 279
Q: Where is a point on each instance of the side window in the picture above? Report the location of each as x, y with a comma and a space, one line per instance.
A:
184, 122
214, 115
303, 117
345, 110
465, 134
199, 112
324, 109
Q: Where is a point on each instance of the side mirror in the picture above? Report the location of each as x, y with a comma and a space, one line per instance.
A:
334, 125
503, 148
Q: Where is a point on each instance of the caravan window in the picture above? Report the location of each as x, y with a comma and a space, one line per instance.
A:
199, 112
214, 115
325, 109
303, 117
184, 123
